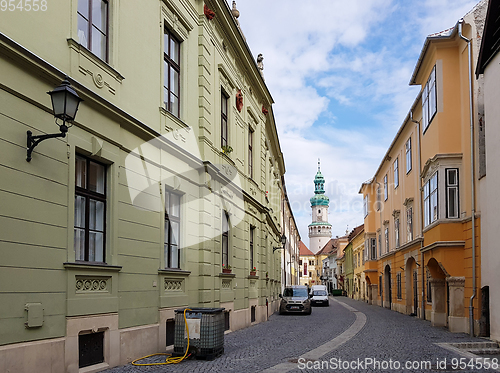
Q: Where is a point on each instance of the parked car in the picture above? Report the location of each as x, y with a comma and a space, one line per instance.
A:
295, 299
319, 295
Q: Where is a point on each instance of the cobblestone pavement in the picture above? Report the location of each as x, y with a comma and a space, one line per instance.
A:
386, 337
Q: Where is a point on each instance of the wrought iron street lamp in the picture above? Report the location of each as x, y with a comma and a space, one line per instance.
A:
65, 103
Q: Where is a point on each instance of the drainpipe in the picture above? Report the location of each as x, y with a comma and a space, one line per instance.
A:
473, 205
419, 159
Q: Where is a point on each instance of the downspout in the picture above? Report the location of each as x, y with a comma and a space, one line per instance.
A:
419, 159
377, 241
473, 204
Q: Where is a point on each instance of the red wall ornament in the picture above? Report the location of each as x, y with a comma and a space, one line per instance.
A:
264, 110
239, 100
208, 12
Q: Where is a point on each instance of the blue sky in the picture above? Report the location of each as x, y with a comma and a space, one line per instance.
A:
338, 72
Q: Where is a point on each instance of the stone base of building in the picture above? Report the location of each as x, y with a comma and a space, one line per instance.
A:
438, 319
121, 346
458, 324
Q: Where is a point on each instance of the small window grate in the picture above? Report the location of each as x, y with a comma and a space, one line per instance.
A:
91, 349
226, 321
170, 332
252, 312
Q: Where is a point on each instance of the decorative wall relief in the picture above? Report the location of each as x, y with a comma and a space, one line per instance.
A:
226, 284
91, 285
239, 100
172, 284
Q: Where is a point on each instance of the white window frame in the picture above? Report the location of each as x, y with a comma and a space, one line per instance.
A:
431, 205
452, 188
386, 188
386, 237
408, 156
396, 173
429, 100
396, 232
409, 223
365, 205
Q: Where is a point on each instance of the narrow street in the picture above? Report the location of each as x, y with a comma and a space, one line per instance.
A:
348, 336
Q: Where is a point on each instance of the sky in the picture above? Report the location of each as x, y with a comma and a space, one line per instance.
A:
339, 74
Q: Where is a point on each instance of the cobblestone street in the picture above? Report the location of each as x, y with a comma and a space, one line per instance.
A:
361, 334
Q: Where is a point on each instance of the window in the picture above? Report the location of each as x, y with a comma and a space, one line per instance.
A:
379, 196
225, 239
431, 200
223, 119
409, 223
250, 153
252, 231
93, 26
398, 282
396, 231
429, 100
429, 288
452, 193
379, 244
172, 230
365, 205
172, 71
373, 248
386, 236
385, 188
396, 173
408, 155
90, 210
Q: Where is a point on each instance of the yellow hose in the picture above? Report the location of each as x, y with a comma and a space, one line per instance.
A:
170, 359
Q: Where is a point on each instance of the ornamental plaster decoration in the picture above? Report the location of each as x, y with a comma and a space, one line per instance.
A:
98, 79
171, 285
209, 13
91, 285
226, 284
239, 100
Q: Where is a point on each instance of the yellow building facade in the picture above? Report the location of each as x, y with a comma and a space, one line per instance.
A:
422, 219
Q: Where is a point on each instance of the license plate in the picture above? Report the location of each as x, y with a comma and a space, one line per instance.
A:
294, 307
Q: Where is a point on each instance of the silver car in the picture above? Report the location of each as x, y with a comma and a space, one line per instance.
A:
295, 299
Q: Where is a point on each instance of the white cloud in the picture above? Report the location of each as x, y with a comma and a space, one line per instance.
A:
357, 55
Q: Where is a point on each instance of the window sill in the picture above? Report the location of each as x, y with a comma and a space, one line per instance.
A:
172, 117
172, 271
76, 46
253, 277
227, 275
92, 266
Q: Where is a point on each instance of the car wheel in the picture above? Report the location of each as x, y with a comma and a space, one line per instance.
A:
308, 313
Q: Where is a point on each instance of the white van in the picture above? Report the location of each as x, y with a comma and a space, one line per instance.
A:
319, 295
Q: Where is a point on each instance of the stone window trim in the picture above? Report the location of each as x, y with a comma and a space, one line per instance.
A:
81, 265
173, 272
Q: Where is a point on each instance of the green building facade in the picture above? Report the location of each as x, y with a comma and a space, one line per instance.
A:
171, 169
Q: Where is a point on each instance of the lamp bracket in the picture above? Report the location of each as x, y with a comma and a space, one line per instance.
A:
33, 141
277, 248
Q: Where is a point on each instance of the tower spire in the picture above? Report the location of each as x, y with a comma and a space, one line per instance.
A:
319, 167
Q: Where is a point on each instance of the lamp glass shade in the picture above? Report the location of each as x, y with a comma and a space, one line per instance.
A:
283, 239
65, 101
